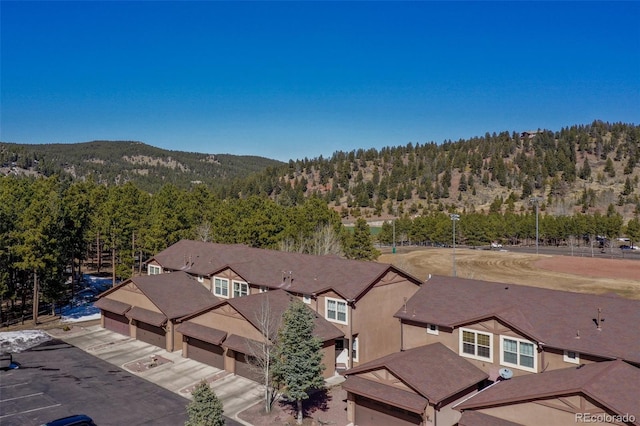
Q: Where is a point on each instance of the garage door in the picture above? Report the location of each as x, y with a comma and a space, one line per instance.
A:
373, 413
244, 369
205, 352
151, 334
115, 322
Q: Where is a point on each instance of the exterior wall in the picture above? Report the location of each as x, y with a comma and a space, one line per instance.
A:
329, 359
230, 275
230, 360
228, 319
174, 338
554, 360
415, 335
130, 295
378, 331
535, 413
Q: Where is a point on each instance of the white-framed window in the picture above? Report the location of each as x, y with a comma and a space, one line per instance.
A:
221, 287
572, 357
518, 353
240, 289
263, 289
432, 329
336, 310
306, 299
154, 270
354, 348
200, 279
476, 344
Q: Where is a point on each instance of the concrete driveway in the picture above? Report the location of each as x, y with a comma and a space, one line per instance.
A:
166, 369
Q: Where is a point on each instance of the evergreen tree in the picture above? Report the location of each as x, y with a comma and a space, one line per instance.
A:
360, 244
297, 364
205, 409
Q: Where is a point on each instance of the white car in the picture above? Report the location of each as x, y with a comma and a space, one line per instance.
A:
496, 245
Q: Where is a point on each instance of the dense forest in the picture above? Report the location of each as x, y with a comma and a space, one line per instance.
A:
583, 180
119, 162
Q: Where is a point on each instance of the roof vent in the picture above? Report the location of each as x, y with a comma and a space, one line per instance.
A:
505, 373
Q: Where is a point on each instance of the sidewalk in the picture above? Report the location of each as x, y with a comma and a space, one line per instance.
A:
166, 369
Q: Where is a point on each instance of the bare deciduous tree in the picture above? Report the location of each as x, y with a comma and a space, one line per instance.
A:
260, 354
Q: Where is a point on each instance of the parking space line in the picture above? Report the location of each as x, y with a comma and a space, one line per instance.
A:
15, 384
30, 411
20, 397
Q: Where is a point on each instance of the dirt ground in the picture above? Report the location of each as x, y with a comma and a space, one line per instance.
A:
326, 408
570, 273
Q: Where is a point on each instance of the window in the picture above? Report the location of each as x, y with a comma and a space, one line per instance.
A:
240, 289
200, 279
154, 270
572, 357
354, 348
263, 289
475, 344
432, 329
306, 299
221, 287
336, 310
518, 353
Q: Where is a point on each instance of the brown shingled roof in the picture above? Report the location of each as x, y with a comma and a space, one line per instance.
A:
386, 394
450, 373
300, 273
145, 315
176, 294
202, 332
614, 384
551, 317
114, 306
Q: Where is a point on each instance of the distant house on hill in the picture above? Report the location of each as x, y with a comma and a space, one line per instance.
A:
529, 134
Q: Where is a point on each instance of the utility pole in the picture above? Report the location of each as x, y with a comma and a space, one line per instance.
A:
454, 218
536, 201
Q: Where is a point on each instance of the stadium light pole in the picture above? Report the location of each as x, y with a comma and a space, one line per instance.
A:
454, 218
536, 201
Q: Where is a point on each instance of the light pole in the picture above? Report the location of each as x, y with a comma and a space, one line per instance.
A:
454, 218
536, 201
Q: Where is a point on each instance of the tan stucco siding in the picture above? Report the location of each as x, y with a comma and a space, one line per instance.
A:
329, 359
133, 298
236, 324
534, 413
373, 321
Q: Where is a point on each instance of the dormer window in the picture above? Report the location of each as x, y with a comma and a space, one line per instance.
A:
240, 289
572, 357
154, 270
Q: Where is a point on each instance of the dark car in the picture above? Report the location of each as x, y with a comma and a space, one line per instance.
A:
76, 420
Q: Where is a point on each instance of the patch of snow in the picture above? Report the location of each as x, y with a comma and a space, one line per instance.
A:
18, 341
81, 307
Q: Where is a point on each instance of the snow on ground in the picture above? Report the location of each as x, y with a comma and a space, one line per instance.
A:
18, 341
81, 307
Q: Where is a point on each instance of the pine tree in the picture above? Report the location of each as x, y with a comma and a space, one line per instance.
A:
360, 245
206, 408
297, 364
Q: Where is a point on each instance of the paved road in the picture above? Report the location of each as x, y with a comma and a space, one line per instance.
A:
56, 380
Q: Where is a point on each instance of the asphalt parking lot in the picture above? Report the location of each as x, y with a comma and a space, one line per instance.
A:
56, 380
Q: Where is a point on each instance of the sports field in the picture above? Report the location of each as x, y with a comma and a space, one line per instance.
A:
571, 273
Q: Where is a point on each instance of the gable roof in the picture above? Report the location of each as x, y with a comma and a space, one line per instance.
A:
554, 318
613, 384
176, 294
295, 272
451, 375
276, 302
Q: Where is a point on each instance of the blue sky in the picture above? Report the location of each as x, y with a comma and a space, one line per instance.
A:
302, 79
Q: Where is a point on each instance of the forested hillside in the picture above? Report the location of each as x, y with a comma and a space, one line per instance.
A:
586, 169
112, 163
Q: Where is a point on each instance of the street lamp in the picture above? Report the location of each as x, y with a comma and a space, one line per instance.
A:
536, 201
454, 218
